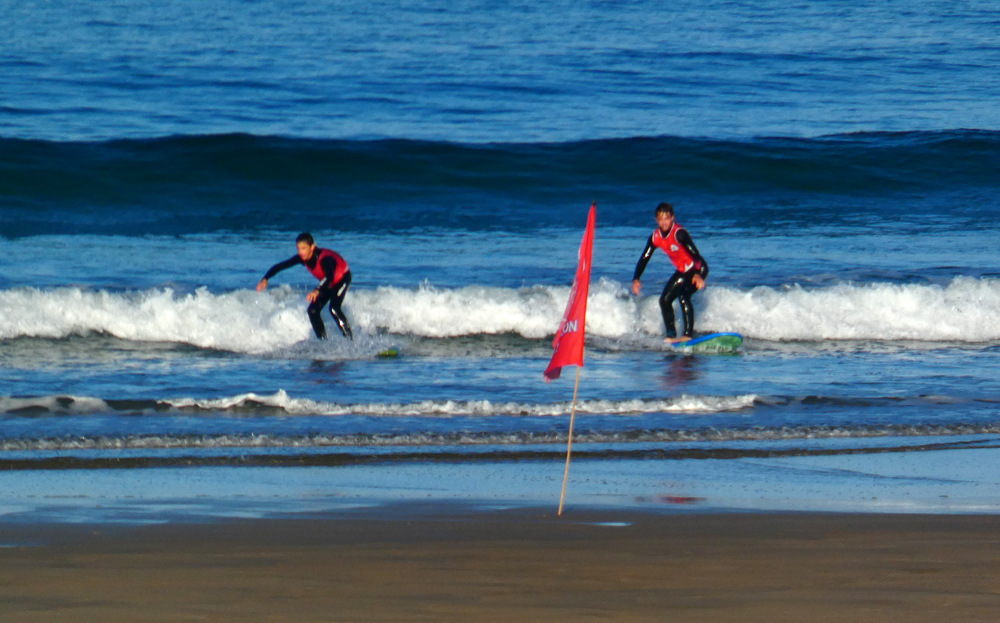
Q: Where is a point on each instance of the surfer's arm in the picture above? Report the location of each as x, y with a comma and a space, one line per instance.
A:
295, 260
641, 266
643, 259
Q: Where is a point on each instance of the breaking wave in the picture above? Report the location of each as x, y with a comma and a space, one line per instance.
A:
282, 402
965, 310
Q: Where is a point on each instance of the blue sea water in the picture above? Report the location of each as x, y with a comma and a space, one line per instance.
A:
836, 163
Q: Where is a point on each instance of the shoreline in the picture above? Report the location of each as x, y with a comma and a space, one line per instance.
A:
453, 562
957, 480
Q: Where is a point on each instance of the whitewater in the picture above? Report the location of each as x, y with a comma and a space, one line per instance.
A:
963, 310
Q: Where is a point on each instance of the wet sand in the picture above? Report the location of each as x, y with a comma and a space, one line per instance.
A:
452, 563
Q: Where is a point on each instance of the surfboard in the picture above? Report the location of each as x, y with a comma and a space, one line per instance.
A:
711, 343
389, 353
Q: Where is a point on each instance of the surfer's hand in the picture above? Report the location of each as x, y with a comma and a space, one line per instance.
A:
312, 296
698, 281
636, 286
262, 285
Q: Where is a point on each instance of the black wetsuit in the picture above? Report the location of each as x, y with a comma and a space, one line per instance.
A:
680, 286
329, 292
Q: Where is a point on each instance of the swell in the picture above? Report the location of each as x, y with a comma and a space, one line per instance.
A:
179, 185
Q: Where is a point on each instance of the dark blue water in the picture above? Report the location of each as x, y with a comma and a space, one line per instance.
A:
244, 183
467, 70
836, 165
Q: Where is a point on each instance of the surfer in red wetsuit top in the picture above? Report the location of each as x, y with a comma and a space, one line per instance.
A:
334, 279
692, 269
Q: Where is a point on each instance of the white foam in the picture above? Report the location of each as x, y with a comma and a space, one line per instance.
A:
427, 408
305, 406
966, 310
241, 321
533, 312
245, 321
55, 404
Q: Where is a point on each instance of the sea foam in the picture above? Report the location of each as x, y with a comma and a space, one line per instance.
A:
282, 401
965, 310
425, 408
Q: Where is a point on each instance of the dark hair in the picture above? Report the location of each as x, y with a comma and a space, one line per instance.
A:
306, 238
664, 207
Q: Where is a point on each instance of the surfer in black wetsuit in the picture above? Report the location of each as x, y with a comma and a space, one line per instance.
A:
334, 276
692, 269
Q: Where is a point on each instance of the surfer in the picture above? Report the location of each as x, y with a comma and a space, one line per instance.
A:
334, 276
692, 269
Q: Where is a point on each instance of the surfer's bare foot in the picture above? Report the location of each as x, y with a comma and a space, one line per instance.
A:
675, 340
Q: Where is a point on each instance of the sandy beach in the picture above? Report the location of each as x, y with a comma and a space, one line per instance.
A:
450, 563
852, 537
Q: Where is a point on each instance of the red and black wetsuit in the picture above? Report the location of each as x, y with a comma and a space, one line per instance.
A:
679, 247
335, 278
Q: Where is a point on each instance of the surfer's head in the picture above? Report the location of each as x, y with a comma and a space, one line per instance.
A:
306, 245
665, 216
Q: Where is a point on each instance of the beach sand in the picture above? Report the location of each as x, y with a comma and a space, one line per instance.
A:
414, 562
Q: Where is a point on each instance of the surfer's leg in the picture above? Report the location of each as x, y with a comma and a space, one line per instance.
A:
687, 309
316, 312
670, 292
316, 317
336, 309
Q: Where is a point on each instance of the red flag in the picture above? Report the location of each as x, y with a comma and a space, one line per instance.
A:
569, 338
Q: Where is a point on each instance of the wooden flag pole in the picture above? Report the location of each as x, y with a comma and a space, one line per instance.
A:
569, 442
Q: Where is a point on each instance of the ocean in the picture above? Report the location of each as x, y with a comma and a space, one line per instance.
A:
837, 166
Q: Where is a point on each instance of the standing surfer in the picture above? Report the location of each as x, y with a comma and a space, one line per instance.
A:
692, 269
334, 276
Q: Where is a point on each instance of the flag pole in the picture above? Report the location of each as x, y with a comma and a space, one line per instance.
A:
569, 442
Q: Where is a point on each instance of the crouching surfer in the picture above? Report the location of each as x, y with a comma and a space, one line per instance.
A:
692, 269
334, 280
